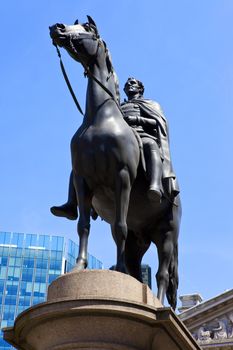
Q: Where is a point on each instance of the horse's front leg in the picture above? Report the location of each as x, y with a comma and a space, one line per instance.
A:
84, 195
119, 227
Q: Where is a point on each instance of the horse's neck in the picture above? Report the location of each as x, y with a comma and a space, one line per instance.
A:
96, 96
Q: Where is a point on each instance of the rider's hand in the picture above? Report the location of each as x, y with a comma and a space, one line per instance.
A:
131, 120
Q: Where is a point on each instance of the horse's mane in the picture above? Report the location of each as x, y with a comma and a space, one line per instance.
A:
111, 71
92, 27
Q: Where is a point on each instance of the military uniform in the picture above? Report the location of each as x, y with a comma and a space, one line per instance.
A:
151, 126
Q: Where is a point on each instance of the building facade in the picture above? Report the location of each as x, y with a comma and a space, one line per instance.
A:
28, 264
210, 321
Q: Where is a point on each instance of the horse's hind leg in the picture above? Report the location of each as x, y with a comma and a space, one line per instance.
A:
85, 197
134, 252
166, 245
119, 227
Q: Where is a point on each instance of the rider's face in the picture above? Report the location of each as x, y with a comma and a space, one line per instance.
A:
131, 87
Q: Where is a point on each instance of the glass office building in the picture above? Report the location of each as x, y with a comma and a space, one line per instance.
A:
28, 264
146, 274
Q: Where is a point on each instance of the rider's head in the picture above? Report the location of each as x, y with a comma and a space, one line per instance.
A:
133, 87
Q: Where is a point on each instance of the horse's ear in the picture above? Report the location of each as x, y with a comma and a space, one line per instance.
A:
76, 22
93, 25
91, 21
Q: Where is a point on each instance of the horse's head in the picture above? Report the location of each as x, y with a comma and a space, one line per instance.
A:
80, 40
83, 43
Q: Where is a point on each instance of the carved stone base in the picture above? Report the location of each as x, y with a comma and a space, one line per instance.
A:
99, 309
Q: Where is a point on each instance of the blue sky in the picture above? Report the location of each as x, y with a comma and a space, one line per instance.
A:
182, 51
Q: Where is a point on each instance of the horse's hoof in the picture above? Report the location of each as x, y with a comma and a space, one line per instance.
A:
154, 195
121, 268
81, 264
94, 215
65, 211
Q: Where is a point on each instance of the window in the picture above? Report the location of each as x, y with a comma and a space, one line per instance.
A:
3, 261
5, 251
43, 288
44, 241
26, 288
40, 275
28, 240
3, 272
5, 237
42, 263
19, 252
11, 261
54, 243
52, 278
20, 309
18, 262
28, 262
17, 239
9, 316
16, 274
60, 243
24, 301
12, 251
1, 286
27, 274
10, 300
55, 265
11, 289
10, 272
45, 254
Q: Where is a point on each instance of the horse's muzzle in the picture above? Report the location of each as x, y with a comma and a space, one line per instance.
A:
57, 33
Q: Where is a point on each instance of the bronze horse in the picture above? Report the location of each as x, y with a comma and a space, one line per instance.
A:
107, 172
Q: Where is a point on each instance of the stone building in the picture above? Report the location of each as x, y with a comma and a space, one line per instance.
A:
210, 322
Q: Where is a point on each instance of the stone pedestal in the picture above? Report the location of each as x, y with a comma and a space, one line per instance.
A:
99, 309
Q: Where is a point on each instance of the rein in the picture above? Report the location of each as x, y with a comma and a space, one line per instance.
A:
86, 73
68, 82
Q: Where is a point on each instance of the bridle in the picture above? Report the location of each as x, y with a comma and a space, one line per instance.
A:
87, 71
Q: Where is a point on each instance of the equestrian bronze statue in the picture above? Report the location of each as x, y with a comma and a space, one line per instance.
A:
121, 166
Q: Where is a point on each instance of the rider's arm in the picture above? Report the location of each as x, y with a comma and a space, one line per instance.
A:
146, 122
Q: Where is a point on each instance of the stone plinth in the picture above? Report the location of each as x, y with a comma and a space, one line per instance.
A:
99, 309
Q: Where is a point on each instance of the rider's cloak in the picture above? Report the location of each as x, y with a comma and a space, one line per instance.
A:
152, 109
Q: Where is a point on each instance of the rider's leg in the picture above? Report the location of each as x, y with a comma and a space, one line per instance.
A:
154, 168
69, 209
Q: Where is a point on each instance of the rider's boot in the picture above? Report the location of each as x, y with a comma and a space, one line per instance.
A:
154, 166
69, 209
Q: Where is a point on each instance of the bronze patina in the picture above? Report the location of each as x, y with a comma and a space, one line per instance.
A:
121, 165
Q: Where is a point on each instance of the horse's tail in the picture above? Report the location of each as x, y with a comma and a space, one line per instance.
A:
173, 279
